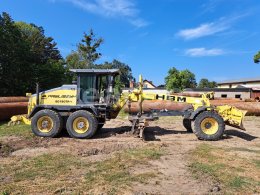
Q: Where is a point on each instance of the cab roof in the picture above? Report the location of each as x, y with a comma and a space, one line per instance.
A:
97, 71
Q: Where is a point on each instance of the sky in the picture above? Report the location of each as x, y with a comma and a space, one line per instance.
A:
214, 39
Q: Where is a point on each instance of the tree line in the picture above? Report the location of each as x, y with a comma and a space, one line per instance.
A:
28, 56
179, 80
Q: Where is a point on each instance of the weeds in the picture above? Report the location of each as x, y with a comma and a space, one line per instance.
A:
116, 174
5, 150
17, 130
234, 173
48, 172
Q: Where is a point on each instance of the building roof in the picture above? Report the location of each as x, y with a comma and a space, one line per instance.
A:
218, 90
150, 82
254, 87
98, 71
244, 80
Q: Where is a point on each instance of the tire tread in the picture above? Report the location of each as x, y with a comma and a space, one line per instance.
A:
200, 134
58, 123
93, 124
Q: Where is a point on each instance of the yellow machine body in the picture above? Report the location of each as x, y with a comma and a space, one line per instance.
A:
65, 95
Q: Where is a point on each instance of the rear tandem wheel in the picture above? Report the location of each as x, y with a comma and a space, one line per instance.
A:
82, 124
209, 126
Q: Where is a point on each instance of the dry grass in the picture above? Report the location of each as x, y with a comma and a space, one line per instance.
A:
168, 120
17, 130
66, 173
234, 173
5, 149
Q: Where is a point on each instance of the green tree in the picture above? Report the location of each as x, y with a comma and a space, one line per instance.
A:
13, 54
86, 53
45, 61
205, 83
172, 80
188, 79
125, 72
180, 79
27, 56
257, 57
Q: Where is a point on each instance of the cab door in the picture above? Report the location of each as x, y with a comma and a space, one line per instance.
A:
86, 88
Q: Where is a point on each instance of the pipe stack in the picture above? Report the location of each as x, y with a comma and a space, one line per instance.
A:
10, 106
253, 108
149, 105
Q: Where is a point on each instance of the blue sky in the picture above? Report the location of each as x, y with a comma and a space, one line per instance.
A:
215, 39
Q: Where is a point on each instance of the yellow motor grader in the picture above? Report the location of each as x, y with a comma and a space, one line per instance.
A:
84, 107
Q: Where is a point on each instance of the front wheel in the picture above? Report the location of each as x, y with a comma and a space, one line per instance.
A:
81, 124
209, 126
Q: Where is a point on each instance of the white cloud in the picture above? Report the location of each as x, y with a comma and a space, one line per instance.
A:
202, 31
138, 22
107, 7
200, 52
208, 29
111, 8
210, 5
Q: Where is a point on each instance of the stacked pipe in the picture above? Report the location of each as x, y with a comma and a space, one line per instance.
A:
253, 108
10, 106
149, 105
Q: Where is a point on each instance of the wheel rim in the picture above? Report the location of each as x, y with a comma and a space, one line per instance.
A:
45, 124
81, 125
209, 126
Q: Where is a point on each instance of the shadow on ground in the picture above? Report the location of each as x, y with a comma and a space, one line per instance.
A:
150, 133
153, 133
240, 134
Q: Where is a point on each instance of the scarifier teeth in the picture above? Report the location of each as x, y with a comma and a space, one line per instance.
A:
13, 123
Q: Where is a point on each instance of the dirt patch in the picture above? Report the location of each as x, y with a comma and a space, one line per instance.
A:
172, 169
33, 152
175, 167
18, 143
5, 150
233, 172
107, 149
77, 174
174, 176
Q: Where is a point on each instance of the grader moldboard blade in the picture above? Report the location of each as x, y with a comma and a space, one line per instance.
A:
232, 116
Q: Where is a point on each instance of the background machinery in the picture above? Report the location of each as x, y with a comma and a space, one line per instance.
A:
83, 108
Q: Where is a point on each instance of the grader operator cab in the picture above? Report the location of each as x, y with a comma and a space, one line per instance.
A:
95, 86
83, 108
